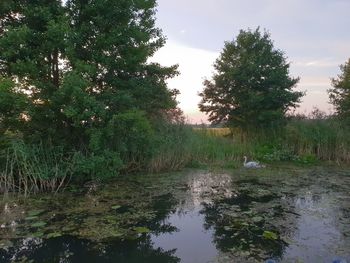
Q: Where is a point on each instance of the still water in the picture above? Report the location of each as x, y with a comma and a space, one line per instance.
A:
278, 214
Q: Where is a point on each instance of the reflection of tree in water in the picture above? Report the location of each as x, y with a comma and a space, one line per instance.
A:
239, 222
163, 205
70, 249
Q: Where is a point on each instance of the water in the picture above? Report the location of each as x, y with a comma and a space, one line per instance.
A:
193, 243
281, 214
318, 237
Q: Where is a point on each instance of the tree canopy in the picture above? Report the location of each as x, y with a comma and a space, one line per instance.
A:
77, 73
251, 87
72, 67
340, 93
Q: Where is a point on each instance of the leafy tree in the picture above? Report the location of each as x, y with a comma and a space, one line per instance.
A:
251, 87
77, 73
340, 93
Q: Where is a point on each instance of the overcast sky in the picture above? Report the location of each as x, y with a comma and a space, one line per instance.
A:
314, 35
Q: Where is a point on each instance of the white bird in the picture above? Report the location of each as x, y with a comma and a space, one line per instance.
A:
252, 164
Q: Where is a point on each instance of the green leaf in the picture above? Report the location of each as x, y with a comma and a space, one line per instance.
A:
115, 207
38, 234
31, 218
142, 230
54, 234
39, 224
270, 235
35, 213
116, 234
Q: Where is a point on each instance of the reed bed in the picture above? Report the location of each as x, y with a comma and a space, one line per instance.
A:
30, 169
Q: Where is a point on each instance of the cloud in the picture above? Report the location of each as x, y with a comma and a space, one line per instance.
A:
194, 65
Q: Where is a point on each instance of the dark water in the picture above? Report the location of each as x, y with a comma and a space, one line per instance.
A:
283, 214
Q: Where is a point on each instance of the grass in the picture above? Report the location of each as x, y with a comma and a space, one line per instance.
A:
325, 139
35, 168
30, 169
303, 141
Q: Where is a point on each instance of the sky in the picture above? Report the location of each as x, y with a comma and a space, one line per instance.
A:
314, 35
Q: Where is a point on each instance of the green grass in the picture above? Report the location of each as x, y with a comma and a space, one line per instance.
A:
303, 141
35, 168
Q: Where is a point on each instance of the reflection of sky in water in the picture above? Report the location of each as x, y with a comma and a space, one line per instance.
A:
193, 243
317, 237
203, 186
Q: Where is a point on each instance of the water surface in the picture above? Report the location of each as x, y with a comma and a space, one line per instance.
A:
278, 214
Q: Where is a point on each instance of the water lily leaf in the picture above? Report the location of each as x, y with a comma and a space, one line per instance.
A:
39, 224
35, 212
54, 234
141, 230
38, 234
116, 234
31, 218
270, 235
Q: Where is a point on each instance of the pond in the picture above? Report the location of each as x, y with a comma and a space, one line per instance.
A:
277, 214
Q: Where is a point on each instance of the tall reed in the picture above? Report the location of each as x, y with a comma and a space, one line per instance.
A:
302, 140
34, 168
327, 139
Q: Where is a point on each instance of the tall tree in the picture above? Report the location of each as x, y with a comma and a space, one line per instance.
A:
340, 93
32, 44
251, 87
75, 65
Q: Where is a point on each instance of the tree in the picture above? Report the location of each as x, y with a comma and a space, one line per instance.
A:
340, 93
251, 87
80, 63
76, 72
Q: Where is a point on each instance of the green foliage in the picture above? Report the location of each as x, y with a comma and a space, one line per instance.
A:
131, 134
34, 168
104, 165
307, 159
340, 93
327, 139
78, 66
12, 104
274, 152
251, 88
270, 235
76, 76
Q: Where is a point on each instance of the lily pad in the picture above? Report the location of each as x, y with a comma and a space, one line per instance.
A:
39, 224
35, 213
270, 235
54, 234
142, 230
116, 234
38, 234
31, 218
227, 228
